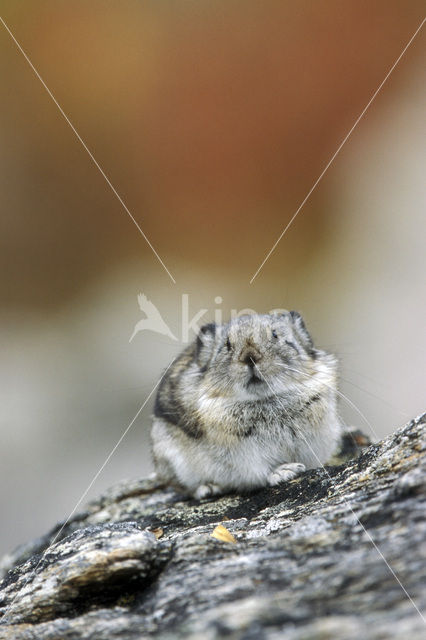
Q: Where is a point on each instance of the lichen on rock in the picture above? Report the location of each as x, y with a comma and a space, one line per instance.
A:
337, 553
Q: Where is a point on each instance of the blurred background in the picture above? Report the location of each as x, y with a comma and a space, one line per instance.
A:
212, 120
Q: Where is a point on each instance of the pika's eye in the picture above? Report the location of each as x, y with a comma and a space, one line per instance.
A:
228, 344
274, 334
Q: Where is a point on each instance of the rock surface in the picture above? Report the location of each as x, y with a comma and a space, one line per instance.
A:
337, 553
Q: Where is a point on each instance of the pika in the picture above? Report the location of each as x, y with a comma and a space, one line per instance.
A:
250, 403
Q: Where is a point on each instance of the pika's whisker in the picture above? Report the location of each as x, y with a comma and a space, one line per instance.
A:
339, 393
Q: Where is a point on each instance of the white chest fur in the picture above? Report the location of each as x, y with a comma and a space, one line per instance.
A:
246, 462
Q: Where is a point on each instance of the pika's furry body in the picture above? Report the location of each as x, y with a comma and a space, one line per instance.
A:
250, 403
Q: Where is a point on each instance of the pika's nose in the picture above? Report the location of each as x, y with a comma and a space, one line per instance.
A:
250, 355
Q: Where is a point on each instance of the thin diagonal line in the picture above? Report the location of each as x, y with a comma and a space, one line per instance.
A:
292, 219
91, 156
95, 477
348, 505
342, 395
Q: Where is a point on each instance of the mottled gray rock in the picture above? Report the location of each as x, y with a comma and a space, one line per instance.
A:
308, 559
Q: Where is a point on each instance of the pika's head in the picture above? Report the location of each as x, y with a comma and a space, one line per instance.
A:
257, 356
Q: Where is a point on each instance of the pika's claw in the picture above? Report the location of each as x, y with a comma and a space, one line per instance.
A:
285, 472
206, 491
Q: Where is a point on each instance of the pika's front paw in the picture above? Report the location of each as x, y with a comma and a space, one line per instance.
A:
285, 472
206, 491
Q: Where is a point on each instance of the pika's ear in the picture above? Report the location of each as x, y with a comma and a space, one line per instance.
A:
205, 344
302, 333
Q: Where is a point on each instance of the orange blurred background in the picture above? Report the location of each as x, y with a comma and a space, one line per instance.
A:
212, 121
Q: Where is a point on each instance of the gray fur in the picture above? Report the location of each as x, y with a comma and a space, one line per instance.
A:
250, 403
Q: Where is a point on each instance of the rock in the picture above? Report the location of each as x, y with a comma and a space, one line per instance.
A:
336, 553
